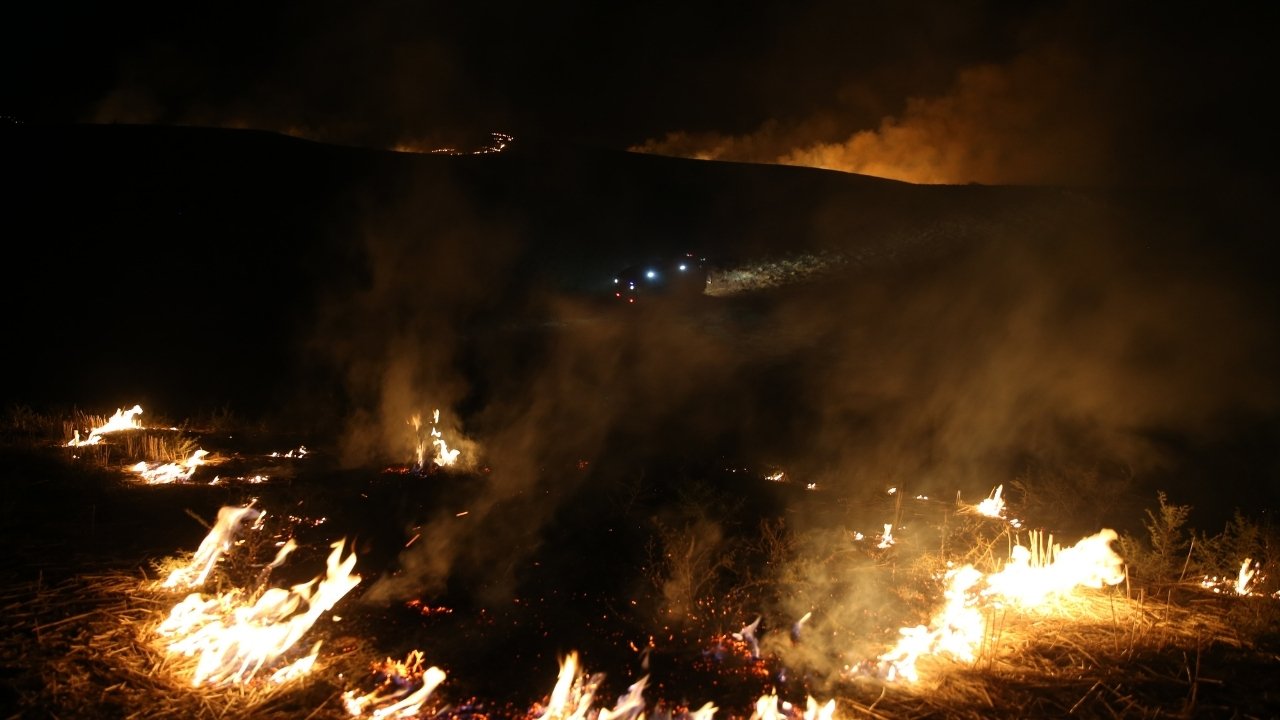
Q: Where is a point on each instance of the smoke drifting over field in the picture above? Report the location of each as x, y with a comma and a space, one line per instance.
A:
1070, 105
1065, 336
1062, 92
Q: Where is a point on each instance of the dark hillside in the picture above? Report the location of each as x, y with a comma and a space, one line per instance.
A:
208, 248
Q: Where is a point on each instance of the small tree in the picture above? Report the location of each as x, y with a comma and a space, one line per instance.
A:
1165, 554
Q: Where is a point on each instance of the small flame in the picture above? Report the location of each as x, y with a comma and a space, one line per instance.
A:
887, 538
405, 686
444, 456
234, 638
575, 690
121, 420
769, 707
813, 711
217, 542
420, 447
1245, 577
993, 506
166, 473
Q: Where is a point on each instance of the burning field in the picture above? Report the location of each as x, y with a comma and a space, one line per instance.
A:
196, 570
393, 449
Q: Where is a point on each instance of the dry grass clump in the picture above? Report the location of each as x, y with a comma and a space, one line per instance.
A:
1096, 654
91, 651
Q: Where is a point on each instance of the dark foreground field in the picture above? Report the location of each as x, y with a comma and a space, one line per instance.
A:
643, 571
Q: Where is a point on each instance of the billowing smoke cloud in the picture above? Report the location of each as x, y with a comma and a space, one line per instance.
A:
1140, 104
1074, 336
1066, 332
1037, 120
1070, 92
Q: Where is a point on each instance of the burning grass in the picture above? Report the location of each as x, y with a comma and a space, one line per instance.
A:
101, 658
746, 620
94, 642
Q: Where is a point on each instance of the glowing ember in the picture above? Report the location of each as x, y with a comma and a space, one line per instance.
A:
428, 610
1031, 579
234, 637
403, 688
122, 420
300, 452
250, 479
217, 542
165, 473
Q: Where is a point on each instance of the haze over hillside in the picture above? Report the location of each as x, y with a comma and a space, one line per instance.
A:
968, 330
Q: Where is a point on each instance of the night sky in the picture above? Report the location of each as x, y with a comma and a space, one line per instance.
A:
1072, 92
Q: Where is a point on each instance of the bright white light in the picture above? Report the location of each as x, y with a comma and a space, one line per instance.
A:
650, 274
683, 267
615, 281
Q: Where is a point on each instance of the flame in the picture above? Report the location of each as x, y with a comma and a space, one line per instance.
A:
887, 538
234, 637
813, 711
768, 707
166, 473
444, 456
1031, 579
420, 447
1245, 577
121, 420
217, 542
993, 506
396, 696
575, 690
